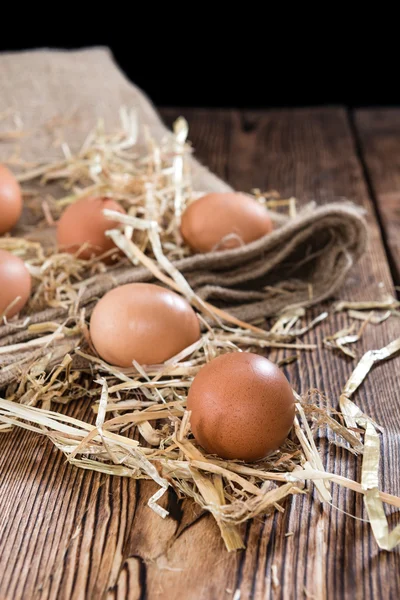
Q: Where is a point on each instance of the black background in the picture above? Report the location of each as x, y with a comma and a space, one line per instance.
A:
278, 64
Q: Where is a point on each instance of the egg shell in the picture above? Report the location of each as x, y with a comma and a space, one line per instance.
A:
84, 222
242, 406
143, 322
15, 280
207, 221
10, 200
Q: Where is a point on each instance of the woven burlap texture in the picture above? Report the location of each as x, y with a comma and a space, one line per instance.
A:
305, 260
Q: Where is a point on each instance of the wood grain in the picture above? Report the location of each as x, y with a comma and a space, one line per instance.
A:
379, 141
66, 533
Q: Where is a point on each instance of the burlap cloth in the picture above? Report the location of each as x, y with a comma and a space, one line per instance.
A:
305, 259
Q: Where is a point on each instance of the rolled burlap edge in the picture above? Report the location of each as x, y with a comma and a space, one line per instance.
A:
242, 273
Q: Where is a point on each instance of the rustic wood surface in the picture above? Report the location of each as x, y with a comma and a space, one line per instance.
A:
66, 533
378, 133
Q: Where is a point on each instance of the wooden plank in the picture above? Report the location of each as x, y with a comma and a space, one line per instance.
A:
66, 533
379, 140
311, 154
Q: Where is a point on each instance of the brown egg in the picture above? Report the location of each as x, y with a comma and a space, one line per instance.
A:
84, 222
142, 322
207, 222
10, 200
15, 280
242, 406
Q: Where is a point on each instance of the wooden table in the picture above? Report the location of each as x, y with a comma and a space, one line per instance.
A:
67, 533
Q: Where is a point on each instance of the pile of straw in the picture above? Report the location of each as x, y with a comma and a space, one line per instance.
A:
140, 426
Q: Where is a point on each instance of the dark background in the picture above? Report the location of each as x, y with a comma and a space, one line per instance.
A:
215, 66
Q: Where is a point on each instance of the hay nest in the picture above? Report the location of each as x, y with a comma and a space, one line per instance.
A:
140, 426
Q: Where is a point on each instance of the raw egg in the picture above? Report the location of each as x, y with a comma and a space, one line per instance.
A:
10, 200
221, 221
143, 322
242, 406
84, 223
15, 281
